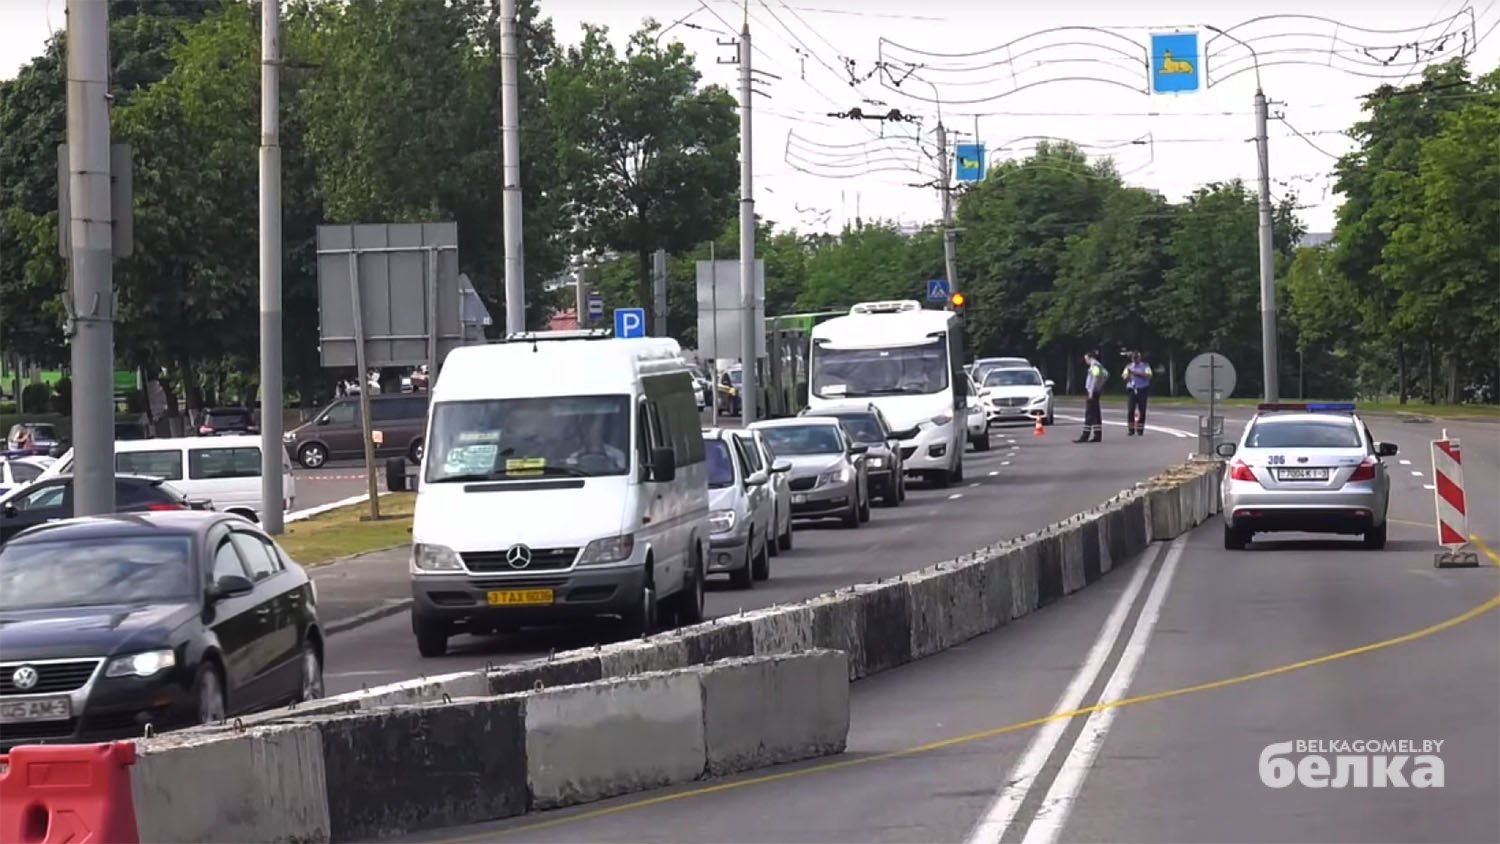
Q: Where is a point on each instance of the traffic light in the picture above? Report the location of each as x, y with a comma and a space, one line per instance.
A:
956, 303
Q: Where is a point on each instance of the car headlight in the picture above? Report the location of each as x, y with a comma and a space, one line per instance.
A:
721, 521
141, 664
833, 476
609, 550
1039, 399
877, 462
943, 419
425, 557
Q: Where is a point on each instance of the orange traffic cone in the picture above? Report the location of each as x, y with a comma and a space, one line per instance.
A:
1038, 431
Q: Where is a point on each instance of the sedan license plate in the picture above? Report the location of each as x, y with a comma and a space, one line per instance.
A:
520, 597
1302, 474
799, 499
39, 709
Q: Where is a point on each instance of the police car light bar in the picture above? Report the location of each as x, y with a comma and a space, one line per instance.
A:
1334, 407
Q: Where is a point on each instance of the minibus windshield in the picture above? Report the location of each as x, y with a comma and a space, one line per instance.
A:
502, 439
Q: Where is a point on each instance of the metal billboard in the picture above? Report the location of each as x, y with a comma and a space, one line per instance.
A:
720, 315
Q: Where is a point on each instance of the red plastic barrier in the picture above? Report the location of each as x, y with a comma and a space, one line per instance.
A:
68, 794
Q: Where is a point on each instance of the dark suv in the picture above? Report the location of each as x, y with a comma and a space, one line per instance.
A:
337, 432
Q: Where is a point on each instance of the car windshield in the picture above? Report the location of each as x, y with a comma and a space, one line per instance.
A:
720, 472
1304, 434
862, 427
228, 417
855, 373
498, 439
804, 439
96, 572
1012, 378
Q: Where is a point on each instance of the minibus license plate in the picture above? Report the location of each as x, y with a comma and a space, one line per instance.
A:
520, 597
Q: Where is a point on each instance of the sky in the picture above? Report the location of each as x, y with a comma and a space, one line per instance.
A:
1011, 74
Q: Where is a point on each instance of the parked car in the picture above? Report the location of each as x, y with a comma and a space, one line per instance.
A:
781, 494
31, 438
1016, 395
868, 426
981, 367
51, 499
220, 421
20, 471
337, 433
740, 508
174, 619
829, 476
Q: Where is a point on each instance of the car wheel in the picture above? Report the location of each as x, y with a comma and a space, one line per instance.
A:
760, 566
312, 674
890, 495
208, 691
958, 471
1050, 419
432, 637
864, 506
1235, 539
415, 452
312, 455
741, 578
1375, 537
772, 546
901, 485
688, 603
785, 539
641, 619
982, 442
851, 518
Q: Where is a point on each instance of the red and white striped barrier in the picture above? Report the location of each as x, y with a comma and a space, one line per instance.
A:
1448, 475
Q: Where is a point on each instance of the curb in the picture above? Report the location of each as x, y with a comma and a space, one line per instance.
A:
360, 619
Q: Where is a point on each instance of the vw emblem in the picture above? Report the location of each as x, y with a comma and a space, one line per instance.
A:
24, 678
518, 557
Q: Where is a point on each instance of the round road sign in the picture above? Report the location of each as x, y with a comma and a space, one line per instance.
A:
1210, 376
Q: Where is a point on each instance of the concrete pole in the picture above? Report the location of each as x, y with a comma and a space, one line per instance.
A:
1267, 255
748, 343
581, 297
950, 258
510, 135
272, 495
92, 246
659, 291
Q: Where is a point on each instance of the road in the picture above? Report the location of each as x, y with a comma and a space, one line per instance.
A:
1209, 657
336, 481
1021, 484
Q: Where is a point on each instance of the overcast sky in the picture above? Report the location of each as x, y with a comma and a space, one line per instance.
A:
998, 70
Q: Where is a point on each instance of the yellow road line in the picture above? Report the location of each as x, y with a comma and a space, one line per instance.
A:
983, 735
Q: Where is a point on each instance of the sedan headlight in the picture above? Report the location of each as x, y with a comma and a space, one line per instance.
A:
426, 557
141, 664
834, 476
1037, 400
877, 462
610, 550
721, 521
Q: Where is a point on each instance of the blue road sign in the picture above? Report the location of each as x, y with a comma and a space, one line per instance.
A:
970, 167
630, 322
937, 290
596, 306
1175, 63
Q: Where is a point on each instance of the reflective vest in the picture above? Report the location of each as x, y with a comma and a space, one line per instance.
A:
1137, 375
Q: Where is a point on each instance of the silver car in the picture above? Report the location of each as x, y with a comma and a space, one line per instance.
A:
885, 469
1306, 468
829, 476
740, 509
781, 492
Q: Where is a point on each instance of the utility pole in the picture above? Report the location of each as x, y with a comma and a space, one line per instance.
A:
659, 291
581, 297
91, 302
510, 136
950, 261
749, 389
1267, 263
273, 499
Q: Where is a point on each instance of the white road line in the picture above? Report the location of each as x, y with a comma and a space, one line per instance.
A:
955, 495
1405, 462
1003, 463
972, 485
1415, 473
1176, 432
1052, 816
1429, 486
1002, 811
995, 472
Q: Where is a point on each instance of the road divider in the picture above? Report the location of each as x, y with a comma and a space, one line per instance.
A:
729, 694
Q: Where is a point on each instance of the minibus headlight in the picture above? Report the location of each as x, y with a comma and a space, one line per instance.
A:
610, 550
425, 557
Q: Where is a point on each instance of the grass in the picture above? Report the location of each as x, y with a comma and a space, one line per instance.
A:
1445, 411
344, 532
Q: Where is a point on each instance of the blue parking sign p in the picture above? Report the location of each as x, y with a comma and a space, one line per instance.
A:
630, 322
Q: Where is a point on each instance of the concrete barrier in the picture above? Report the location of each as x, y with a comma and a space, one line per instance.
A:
762, 712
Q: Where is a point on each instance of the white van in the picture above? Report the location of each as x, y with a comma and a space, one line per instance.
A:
564, 478
224, 470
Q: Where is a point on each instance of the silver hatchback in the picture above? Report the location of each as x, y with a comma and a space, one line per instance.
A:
1306, 468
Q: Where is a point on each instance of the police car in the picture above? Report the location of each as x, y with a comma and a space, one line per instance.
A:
1312, 468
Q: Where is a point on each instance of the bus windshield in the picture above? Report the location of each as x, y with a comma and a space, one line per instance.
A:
860, 373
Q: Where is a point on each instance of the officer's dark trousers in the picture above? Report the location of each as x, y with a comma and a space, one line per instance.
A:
1135, 409
1093, 418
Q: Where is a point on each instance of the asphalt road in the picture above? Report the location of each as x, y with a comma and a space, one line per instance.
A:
335, 481
1209, 657
1009, 490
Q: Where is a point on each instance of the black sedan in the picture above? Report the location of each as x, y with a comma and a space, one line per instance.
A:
52, 499
169, 619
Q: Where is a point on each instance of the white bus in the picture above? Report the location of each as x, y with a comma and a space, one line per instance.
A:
907, 360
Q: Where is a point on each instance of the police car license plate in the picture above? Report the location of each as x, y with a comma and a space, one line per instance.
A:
799, 499
39, 709
1302, 474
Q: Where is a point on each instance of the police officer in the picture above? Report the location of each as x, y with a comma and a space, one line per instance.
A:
1137, 377
1093, 386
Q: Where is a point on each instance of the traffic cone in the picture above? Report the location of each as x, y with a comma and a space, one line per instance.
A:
1038, 431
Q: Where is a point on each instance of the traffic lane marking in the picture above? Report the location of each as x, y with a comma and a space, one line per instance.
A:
1160, 429
574, 816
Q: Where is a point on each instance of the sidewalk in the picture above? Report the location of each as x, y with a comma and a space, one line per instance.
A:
363, 588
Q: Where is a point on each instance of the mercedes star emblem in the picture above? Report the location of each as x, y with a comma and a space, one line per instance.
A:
518, 557
24, 678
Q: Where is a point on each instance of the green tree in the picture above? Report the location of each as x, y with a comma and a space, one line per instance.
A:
1323, 313
874, 261
647, 157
